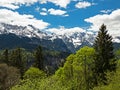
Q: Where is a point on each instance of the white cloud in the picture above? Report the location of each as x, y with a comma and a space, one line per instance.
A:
66, 15
52, 11
37, 9
106, 11
111, 20
44, 9
43, 13
61, 3
43, 1
10, 6
56, 12
83, 4
65, 31
14, 18
15, 4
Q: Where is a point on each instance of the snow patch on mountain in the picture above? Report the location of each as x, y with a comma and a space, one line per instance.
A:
116, 39
27, 31
74, 38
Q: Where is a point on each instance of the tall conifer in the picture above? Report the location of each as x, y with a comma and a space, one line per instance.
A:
17, 60
39, 58
104, 53
6, 56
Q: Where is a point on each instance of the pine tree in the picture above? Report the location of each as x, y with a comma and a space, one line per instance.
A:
16, 58
6, 56
39, 58
104, 53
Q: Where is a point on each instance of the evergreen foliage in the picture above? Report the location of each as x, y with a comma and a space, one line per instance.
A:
117, 53
17, 60
89, 68
105, 58
113, 80
76, 74
5, 56
39, 58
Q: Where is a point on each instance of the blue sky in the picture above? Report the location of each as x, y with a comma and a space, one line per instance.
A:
49, 14
75, 16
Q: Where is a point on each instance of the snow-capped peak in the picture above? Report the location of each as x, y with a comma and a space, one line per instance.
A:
27, 31
73, 38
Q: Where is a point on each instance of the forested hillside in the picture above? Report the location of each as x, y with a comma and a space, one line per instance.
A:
90, 68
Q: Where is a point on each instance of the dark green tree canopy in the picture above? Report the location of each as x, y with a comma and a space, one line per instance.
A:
104, 52
39, 58
6, 56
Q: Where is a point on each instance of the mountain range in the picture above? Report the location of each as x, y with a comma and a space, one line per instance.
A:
29, 37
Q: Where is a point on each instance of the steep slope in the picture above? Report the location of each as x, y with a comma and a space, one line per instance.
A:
29, 37
74, 38
12, 41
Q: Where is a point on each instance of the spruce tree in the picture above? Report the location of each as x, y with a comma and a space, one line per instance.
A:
16, 58
39, 58
6, 56
104, 53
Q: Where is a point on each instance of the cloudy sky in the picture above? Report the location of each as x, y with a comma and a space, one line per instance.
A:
71, 15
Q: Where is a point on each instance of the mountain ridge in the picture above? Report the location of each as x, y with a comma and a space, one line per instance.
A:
68, 40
